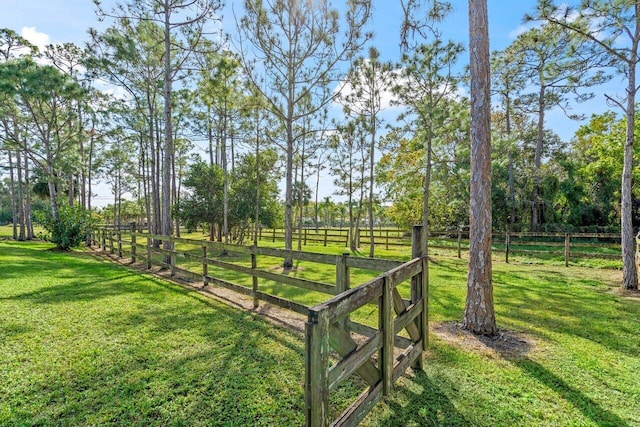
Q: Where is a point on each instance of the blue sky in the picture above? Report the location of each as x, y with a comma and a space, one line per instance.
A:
57, 21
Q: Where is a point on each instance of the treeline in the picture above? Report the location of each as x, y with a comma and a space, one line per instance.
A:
190, 131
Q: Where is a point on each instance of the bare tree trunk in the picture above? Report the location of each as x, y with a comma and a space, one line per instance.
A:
512, 191
288, 208
537, 162
479, 315
70, 193
225, 178
629, 273
89, 171
257, 212
27, 206
424, 238
316, 207
301, 199
20, 199
168, 135
371, 182
14, 208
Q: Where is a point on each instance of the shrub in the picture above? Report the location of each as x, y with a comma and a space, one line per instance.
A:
70, 229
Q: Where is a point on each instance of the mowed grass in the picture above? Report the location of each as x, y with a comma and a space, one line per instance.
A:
87, 342
582, 369
84, 342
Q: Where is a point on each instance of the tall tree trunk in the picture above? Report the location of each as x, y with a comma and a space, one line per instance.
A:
27, 205
512, 191
257, 211
301, 198
316, 206
20, 199
479, 315
225, 177
90, 169
210, 135
371, 182
629, 273
14, 204
537, 161
168, 135
424, 238
70, 194
288, 204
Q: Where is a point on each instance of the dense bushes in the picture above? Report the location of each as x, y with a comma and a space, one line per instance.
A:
71, 227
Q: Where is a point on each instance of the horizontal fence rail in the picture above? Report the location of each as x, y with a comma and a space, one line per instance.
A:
566, 246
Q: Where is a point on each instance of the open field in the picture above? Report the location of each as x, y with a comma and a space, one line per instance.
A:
84, 341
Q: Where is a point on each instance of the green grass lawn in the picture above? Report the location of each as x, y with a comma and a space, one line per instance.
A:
87, 342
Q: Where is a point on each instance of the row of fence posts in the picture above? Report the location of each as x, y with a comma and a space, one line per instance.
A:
507, 245
507, 248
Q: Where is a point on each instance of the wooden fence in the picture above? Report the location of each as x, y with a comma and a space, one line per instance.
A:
385, 354
377, 355
564, 245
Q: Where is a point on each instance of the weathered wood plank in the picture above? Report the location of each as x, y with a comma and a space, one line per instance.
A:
352, 416
410, 314
368, 331
342, 342
348, 365
282, 302
405, 271
386, 325
280, 278
400, 307
228, 285
375, 264
406, 359
316, 362
343, 304
302, 256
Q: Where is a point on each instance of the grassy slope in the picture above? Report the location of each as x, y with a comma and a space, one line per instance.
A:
151, 353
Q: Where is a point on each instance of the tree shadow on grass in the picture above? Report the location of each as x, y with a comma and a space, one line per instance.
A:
590, 409
81, 290
431, 407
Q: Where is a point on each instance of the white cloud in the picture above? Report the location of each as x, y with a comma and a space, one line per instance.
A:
520, 30
37, 38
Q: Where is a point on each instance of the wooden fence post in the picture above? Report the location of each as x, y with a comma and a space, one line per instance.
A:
305, 236
274, 235
342, 273
205, 266
460, 243
260, 232
103, 237
119, 236
386, 326
387, 241
507, 244
325, 237
149, 243
567, 243
254, 278
111, 246
420, 284
172, 248
316, 364
133, 246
